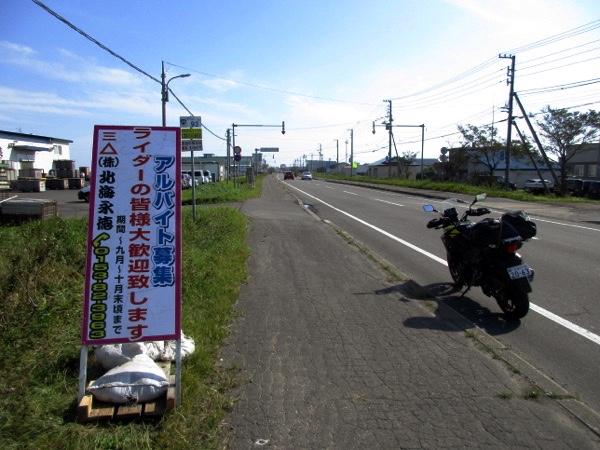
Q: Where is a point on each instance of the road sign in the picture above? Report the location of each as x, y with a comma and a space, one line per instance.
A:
191, 133
191, 146
237, 157
268, 149
190, 122
237, 149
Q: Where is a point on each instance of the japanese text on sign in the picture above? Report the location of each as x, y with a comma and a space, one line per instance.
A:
133, 282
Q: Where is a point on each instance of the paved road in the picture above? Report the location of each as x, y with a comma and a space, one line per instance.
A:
336, 354
564, 254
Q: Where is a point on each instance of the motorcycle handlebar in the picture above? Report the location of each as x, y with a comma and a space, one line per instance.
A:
433, 223
477, 212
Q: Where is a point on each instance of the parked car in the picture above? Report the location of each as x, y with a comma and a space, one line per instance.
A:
591, 189
535, 185
207, 176
306, 176
288, 175
574, 186
186, 180
84, 194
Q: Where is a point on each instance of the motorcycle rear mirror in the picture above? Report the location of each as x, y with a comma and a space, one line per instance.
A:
428, 208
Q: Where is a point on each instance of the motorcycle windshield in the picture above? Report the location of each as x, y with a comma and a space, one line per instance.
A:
449, 204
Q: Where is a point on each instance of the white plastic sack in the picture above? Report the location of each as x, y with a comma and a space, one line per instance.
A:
110, 356
169, 352
138, 380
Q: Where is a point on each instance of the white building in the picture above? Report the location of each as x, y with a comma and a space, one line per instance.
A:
20, 151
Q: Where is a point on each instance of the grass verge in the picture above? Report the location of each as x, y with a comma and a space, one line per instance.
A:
41, 283
460, 188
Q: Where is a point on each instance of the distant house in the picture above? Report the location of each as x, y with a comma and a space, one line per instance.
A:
20, 151
585, 163
461, 167
386, 169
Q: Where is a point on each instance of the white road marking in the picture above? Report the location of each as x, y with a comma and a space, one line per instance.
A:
537, 219
547, 314
385, 201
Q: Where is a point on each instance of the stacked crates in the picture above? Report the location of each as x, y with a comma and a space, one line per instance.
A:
64, 175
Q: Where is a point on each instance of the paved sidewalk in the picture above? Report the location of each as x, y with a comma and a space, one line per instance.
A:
334, 354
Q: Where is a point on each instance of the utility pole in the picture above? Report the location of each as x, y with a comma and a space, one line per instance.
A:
320, 158
228, 154
389, 127
538, 143
337, 153
346, 157
164, 91
351, 151
510, 81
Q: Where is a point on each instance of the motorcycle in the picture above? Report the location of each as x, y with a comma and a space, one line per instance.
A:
485, 254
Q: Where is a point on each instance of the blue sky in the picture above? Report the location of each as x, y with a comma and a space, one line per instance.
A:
324, 68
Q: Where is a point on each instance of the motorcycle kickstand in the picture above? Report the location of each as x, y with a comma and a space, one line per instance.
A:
465, 291
474, 278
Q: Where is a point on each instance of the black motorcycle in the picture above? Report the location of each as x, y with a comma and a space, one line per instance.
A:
485, 254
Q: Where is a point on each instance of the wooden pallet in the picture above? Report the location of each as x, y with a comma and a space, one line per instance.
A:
91, 409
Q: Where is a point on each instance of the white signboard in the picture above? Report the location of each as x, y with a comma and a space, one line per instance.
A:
191, 146
190, 122
133, 270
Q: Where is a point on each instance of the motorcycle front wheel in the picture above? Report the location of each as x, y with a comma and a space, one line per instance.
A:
513, 302
456, 270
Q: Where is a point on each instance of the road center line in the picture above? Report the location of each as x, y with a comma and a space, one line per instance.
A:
547, 314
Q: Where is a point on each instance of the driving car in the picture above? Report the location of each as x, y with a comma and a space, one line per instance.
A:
84, 194
288, 175
306, 176
535, 185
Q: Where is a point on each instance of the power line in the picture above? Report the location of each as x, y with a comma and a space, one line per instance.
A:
104, 47
90, 38
557, 37
267, 88
561, 86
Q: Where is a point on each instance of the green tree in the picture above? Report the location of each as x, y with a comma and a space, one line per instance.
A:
565, 132
404, 163
483, 145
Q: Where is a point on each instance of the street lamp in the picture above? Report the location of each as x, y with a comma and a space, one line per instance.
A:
165, 92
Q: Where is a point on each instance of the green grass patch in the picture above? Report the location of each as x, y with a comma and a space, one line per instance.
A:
223, 192
41, 285
505, 395
459, 188
534, 394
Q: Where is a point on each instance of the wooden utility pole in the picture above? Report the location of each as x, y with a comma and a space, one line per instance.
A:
510, 81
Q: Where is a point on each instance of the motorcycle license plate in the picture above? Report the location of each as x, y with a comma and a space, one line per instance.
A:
516, 272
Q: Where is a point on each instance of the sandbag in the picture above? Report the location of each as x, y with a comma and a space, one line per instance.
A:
138, 380
110, 356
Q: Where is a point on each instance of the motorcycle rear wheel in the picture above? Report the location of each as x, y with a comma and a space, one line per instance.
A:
513, 302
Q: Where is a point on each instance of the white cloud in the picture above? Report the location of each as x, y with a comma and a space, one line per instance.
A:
11, 51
